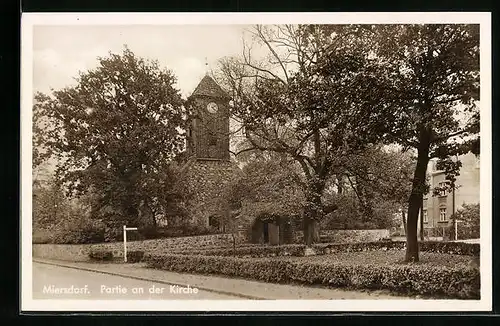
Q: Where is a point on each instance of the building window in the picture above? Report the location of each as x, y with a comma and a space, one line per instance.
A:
426, 218
442, 214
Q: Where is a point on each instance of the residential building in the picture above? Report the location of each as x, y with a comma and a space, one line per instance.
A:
438, 209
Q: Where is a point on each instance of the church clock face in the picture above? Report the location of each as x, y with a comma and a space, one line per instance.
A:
212, 107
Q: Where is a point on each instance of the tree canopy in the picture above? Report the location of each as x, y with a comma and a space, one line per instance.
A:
315, 113
114, 134
435, 77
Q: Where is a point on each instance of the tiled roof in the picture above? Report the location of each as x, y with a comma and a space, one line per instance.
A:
208, 87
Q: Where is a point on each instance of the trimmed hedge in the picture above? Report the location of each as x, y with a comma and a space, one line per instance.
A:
133, 256
458, 282
101, 255
457, 248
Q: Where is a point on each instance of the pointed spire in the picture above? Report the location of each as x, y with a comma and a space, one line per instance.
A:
208, 87
206, 66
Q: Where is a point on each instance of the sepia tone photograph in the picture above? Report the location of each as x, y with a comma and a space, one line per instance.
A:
235, 163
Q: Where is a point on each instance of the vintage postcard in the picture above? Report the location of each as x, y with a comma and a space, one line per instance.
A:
256, 162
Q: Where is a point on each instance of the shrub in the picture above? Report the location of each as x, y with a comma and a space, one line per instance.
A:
151, 232
434, 232
350, 215
41, 236
457, 248
101, 255
135, 256
113, 230
469, 226
78, 230
459, 282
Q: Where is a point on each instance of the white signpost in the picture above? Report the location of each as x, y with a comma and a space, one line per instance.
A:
125, 229
455, 221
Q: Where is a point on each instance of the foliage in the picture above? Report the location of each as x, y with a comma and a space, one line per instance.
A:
314, 115
49, 204
135, 256
101, 255
434, 93
269, 186
41, 236
266, 187
114, 135
468, 226
452, 282
57, 219
351, 216
78, 229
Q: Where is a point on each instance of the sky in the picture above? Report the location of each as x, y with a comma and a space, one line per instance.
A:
60, 52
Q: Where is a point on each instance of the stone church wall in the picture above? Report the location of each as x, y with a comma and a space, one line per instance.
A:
80, 252
206, 181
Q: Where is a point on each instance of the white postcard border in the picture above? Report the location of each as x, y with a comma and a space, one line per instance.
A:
29, 20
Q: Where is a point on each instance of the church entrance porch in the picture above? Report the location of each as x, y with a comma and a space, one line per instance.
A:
272, 230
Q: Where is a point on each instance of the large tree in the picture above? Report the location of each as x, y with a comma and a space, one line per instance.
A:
434, 72
311, 99
114, 134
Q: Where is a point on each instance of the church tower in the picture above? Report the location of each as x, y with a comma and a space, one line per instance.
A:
209, 131
208, 151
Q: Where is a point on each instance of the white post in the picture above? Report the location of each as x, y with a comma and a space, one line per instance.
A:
125, 228
456, 229
125, 243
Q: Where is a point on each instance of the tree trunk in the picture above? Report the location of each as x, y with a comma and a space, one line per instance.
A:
311, 224
411, 230
422, 220
311, 232
415, 201
314, 207
315, 231
404, 221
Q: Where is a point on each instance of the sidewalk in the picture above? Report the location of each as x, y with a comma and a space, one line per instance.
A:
245, 289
